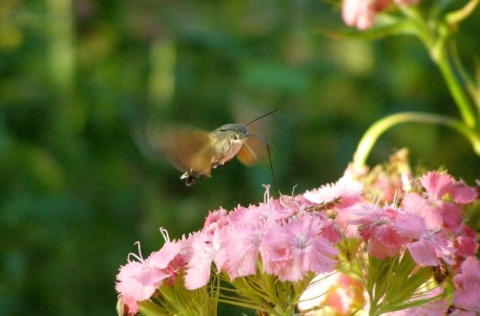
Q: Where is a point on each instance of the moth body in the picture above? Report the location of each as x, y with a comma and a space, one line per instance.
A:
196, 152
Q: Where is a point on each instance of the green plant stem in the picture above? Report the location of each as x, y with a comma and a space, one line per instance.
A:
456, 17
436, 33
457, 88
376, 130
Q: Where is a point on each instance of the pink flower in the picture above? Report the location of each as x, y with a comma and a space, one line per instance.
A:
126, 305
346, 197
433, 207
348, 190
377, 227
361, 13
205, 249
293, 249
270, 210
242, 244
130, 287
139, 280
467, 283
155, 267
215, 220
430, 245
466, 241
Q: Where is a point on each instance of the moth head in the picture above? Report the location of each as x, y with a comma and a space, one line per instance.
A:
236, 133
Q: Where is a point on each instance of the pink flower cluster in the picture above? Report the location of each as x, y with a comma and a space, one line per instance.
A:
361, 13
428, 223
287, 235
295, 235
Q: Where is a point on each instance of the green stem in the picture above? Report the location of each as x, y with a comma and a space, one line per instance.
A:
376, 130
456, 17
457, 88
436, 33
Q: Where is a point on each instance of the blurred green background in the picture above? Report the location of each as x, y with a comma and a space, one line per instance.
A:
79, 80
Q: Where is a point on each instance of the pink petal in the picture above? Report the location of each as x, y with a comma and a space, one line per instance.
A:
380, 250
467, 296
388, 236
452, 214
199, 266
128, 285
410, 225
471, 272
437, 185
242, 245
463, 194
466, 242
160, 259
423, 253
413, 203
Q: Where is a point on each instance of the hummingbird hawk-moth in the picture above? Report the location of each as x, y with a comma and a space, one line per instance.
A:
196, 152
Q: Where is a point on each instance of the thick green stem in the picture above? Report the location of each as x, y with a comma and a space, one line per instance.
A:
377, 129
457, 89
436, 34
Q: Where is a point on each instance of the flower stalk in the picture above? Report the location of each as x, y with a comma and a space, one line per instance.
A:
435, 30
371, 136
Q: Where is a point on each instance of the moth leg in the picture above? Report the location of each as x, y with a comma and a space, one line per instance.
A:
190, 181
222, 165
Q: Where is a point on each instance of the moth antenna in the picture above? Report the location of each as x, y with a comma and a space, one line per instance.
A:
261, 117
267, 144
271, 170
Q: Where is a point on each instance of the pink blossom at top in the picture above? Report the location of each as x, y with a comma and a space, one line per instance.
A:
467, 283
433, 207
430, 245
361, 13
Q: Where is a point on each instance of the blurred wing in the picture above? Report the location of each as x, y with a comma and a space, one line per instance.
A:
253, 149
188, 149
